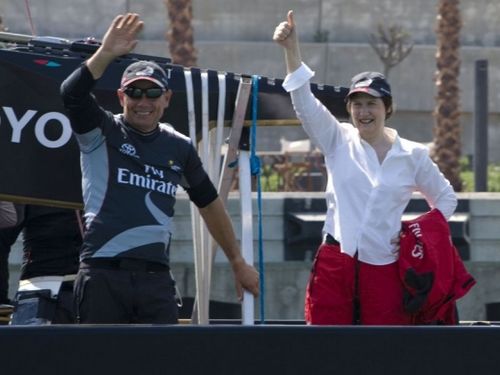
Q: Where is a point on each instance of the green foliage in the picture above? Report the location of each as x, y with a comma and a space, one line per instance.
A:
270, 179
467, 175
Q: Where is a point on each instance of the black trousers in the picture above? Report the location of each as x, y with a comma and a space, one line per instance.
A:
125, 293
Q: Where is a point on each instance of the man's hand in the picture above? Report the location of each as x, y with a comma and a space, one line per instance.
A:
220, 227
121, 37
246, 277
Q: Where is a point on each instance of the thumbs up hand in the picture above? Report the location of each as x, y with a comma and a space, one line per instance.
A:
285, 34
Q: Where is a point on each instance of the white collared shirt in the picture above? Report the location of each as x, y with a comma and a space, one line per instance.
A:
365, 198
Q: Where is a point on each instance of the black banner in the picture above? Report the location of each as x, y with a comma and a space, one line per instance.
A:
39, 158
228, 349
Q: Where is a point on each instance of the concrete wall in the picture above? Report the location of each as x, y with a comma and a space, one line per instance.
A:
234, 35
238, 20
484, 227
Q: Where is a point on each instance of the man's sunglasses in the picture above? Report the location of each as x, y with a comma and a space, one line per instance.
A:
136, 93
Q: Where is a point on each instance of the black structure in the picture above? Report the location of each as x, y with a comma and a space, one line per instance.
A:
151, 350
303, 222
304, 219
31, 108
217, 310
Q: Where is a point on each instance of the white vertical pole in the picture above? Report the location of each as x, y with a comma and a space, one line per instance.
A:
200, 311
190, 105
205, 248
216, 145
204, 118
245, 183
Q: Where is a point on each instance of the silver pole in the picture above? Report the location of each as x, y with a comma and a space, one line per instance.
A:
15, 38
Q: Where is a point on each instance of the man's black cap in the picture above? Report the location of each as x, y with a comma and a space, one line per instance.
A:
147, 70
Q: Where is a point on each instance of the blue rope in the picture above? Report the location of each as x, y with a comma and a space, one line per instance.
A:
255, 169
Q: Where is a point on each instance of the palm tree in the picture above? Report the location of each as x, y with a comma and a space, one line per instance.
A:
447, 144
180, 33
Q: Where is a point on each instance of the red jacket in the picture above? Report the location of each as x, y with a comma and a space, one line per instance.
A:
431, 270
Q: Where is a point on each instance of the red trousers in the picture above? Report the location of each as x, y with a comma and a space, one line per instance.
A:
337, 280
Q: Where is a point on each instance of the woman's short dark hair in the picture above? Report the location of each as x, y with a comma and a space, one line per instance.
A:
389, 108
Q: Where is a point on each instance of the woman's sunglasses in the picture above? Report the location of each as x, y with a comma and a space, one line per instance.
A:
136, 93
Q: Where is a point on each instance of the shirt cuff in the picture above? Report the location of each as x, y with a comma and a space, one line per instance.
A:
297, 78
